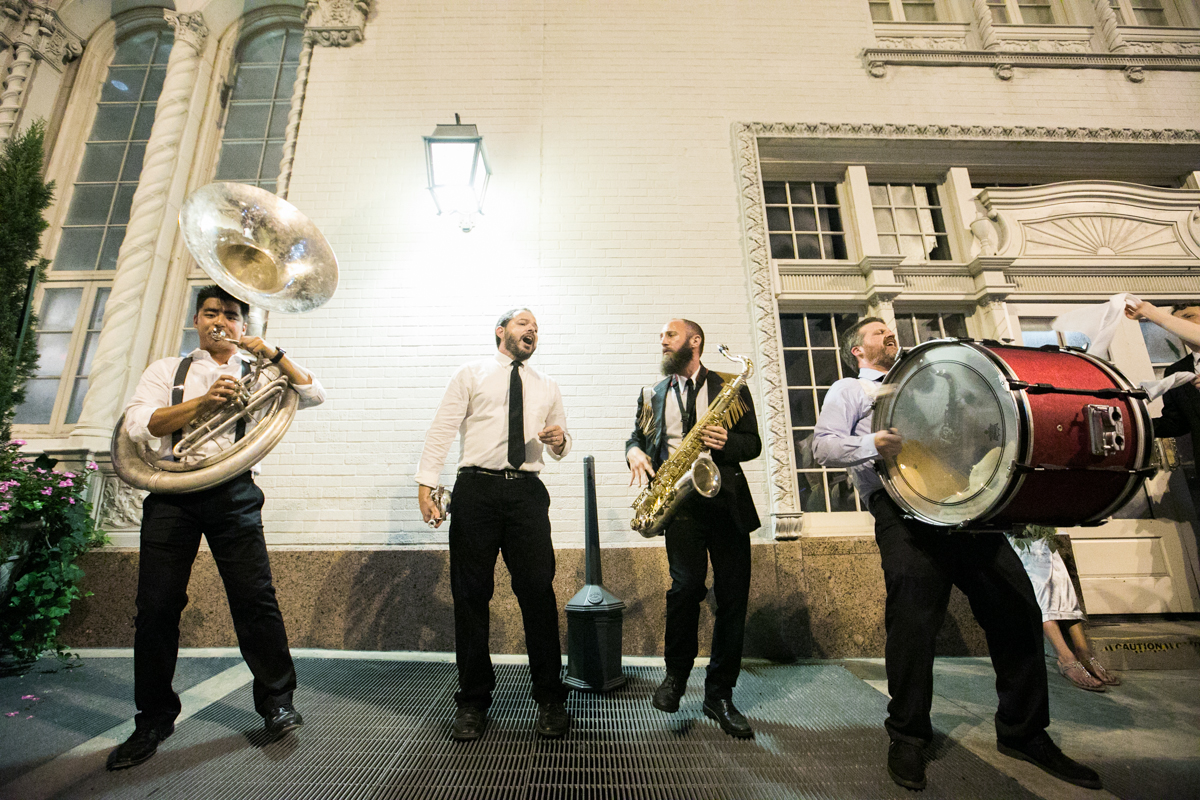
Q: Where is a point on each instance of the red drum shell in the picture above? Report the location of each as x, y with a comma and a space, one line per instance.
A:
1051, 477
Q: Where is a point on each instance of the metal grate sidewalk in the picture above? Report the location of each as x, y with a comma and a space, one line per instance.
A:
379, 730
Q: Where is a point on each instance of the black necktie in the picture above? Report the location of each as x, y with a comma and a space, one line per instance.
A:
689, 419
516, 418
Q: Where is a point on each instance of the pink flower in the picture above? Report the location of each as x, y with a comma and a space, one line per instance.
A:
68, 474
71, 500
93, 465
64, 484
47, 490
18, 442
12, 713
40, 471
4, 506
29, 697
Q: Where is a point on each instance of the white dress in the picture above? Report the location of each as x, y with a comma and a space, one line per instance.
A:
1051, 582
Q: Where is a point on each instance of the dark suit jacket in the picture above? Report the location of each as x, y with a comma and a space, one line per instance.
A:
1181, 409
743, 445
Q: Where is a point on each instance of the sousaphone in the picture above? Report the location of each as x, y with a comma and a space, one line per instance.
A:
262, 250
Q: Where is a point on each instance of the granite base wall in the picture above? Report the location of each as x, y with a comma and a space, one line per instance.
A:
809, 598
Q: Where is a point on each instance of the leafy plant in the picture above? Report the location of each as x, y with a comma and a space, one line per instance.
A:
31, 492
24, 196
1032, 533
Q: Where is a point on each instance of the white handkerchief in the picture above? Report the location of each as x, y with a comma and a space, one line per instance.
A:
1098, 323
1157, 389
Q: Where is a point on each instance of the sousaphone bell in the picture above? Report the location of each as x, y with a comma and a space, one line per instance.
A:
262, 250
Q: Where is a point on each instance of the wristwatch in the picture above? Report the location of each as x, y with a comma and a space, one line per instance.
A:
279, 354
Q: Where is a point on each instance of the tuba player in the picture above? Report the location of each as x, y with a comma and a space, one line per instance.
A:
701, 528
171, 393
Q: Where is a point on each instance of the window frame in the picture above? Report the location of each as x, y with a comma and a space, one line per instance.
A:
897, 10
1127, 17
1016, 16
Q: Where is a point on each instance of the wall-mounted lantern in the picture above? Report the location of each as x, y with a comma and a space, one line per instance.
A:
458, 171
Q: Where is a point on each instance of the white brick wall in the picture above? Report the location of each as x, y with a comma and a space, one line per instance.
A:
613, 208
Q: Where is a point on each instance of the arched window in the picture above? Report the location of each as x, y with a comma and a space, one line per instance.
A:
71, 301
263, 75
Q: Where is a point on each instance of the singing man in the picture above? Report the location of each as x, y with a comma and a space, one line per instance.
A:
508, 414
703, 528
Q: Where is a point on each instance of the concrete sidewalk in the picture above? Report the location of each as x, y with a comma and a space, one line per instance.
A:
378, 728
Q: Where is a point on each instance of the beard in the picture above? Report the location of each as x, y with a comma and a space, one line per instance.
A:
674, 362
514, 345
883, 359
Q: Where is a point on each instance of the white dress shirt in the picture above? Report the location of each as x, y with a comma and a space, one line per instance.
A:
154, 392
476, 406
671, 416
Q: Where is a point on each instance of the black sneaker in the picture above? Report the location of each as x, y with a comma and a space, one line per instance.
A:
282, 719
468, 724
666, 696
906, 765
1041, 751
553, 720
138, 748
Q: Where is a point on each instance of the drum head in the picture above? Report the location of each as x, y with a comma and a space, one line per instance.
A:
952, 405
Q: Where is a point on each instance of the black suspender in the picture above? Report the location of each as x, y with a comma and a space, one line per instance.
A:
177, 398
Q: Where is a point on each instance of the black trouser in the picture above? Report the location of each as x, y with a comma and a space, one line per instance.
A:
920, 562
702, 529
229, 517
491, 515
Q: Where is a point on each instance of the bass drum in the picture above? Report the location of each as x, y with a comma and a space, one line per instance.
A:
998, 435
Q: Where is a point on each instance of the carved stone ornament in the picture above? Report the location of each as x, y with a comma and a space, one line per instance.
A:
59, 46
779, 449
336, 23
1093, 219
923, 43
120, 505
1039, 133
189, 28
1045, 45
1167, 48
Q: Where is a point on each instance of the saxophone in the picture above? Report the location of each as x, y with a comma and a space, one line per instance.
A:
690, 468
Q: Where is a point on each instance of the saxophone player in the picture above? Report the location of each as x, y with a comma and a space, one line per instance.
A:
702, 528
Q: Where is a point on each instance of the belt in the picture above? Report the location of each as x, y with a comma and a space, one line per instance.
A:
507, 474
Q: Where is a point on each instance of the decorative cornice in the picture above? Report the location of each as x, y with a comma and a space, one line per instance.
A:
58, 45
877, 60
336, 23
189, 28
867, 130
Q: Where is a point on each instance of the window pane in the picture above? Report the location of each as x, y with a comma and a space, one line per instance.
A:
78, 393
286, 82
927, 327
777, 219
279, 118
291, 50
781, 246
239, 160
904, 331
999, 11
796, 365
775, 193
881, 11
78, 248
191, 340
808, 247
791, 330
112, 246
834, 246
803, 407
1164, 348
255, 83
247, 121
883, 220
266, 48
879, 196
955, 325
825, 367
1036, 331
52, 354
805, 218
272, 156
102, 162
154, 84
800, 192
90, 204
113, 122
122, 203
133, 162
60, 307
39, 402
124, 84
919, 11
830, 219
137, 49
145, 121
820, 330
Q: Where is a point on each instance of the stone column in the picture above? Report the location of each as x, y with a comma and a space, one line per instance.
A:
1109, 34
151, 219
293, 122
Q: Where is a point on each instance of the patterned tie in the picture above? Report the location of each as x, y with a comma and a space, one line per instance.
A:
516, 418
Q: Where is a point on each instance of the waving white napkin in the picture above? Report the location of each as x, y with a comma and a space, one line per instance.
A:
1098, 323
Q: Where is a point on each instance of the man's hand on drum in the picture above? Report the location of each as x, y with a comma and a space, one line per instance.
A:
888, 443
641, 469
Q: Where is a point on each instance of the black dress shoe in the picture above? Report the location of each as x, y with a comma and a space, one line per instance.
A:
138, 748
1041, 751
282, 719
666, 696
468, 724
553, 720
906, 765
728, 717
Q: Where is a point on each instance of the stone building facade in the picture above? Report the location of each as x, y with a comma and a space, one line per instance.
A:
958, 167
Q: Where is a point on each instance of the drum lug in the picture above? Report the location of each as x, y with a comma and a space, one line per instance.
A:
1106, 429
